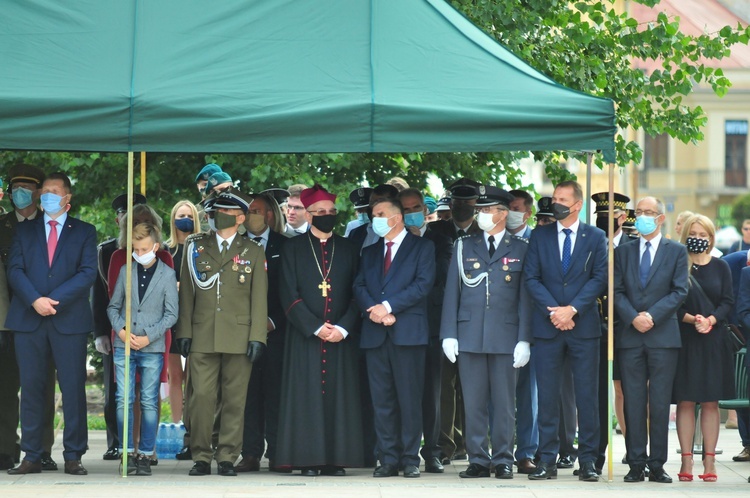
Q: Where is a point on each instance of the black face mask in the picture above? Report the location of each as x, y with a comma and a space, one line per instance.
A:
462, 212
696, 245
601, 222
324, 223
560, 211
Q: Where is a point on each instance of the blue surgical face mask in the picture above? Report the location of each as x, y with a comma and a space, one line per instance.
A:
51, 203
380, 226
363, 218
21, 197
414, 219
645, 224
184, 225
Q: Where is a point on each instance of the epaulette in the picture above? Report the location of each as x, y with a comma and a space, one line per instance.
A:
197, 236
522, 239
461, 238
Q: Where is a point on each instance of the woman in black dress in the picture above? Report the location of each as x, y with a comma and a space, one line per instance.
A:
705, 370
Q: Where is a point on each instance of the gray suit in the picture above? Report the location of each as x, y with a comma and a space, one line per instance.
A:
151, 316
648, 361
487, 333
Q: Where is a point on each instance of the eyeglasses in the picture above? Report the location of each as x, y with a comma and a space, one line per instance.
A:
648, 212
323, 212
295, 208
488, 209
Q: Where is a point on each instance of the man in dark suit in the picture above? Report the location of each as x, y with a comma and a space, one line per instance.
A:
462, 203
51, 270
566, 270
415, 212
651, 282
364, 236
264, 388
394, 281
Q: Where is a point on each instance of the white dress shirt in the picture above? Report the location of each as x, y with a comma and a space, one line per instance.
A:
561, 236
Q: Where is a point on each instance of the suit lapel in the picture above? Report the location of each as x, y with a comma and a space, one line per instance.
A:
62, 238
407, 245
480, 248
157, 275
658, 259
212, 249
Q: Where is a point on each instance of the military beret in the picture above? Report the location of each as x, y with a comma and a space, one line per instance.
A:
207, 171
430, 203
120, 204
360, 197
492, 196
217, 179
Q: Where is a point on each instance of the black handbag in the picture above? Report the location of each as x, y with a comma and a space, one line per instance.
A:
732, 336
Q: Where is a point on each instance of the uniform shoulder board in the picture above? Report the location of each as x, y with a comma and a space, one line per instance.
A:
521, 239
196, 236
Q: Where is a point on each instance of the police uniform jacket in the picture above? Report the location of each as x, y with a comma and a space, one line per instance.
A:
479, 326
233, 311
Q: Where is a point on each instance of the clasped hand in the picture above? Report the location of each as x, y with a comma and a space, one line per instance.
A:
45, 306
702, 324
137, 342
379, 314
562, 317
643, 323
329, 333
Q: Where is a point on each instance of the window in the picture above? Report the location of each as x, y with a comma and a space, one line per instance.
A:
735, 164
656, 152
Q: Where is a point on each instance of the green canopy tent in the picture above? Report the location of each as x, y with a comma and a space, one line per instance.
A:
277, 76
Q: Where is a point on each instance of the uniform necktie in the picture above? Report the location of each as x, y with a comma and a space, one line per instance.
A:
645, 264
387, 263
491, 240
224, 247
461, 232
52, 240
566, 250
259, 240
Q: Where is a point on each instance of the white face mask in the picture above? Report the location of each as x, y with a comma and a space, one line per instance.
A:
514, 219
484, 220
146, 259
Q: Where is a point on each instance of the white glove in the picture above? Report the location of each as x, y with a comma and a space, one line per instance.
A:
450, 348
103, 344
521, 354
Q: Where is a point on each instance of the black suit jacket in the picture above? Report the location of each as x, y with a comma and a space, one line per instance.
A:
443, 253
448, 228
273, 261
665, 290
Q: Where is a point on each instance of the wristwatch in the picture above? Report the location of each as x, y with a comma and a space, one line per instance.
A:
648, 315
575, 311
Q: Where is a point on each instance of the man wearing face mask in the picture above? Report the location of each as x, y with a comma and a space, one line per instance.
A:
222, 329
392, 288
24, 184
320, 427
364, 235
651, 282
463, 200
264, 388
519, 214
51, 269
414, 219
565, 272
359, 198
487, 320
103, 328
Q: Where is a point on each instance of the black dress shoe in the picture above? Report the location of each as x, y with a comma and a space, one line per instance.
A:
475, 470
47, 462
658, 475
309, 472
385, 470
432, 465
248, 464
26, 467
635, 474
543, 472
200, 469
587, 472
227, 469
111, 454
73, 467
564, 462
445, 460
332, 470
6, 462
460, 456
184, 454
503, 471
411, 471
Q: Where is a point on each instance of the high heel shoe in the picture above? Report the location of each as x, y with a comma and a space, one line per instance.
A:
708, 477
684, 476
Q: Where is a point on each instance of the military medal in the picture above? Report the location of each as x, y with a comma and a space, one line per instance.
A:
507, 278
242, 278
248, 269
235, 267
476, 266
468, 275
208, 268
505, 267
324, 285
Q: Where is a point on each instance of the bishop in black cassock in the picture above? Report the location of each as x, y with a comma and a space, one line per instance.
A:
320, 428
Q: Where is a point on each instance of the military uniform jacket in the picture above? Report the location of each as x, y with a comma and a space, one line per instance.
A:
225, 316
479, 325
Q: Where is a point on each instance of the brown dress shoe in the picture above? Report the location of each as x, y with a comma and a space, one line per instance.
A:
74, 467
26, 467
526, 466
248, 464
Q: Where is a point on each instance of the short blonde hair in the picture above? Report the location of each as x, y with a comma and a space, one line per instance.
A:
703, 221
144, 230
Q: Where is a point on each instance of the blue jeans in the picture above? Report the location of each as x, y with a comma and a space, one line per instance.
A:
149, 366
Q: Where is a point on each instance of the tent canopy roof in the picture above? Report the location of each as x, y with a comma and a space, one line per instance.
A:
277, 76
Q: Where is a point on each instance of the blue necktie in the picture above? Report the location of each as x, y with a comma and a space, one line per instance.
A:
645, 264
566, 250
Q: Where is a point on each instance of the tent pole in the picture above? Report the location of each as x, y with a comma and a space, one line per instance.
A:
143, 173
610, 315
128, 314
589, 161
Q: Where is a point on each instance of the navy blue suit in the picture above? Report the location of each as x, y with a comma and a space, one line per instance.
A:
585, 280
63, 335
396, 354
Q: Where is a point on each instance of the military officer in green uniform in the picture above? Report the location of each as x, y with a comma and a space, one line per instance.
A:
222, 327
24, 185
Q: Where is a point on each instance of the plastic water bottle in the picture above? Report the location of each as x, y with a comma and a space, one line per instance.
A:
162, 444
174, 446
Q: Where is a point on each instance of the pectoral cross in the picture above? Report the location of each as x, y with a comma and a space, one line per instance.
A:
324, 288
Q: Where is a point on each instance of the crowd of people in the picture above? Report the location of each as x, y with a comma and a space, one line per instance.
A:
434, 330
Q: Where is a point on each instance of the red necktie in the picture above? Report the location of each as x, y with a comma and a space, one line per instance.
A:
387, 264
52, 241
